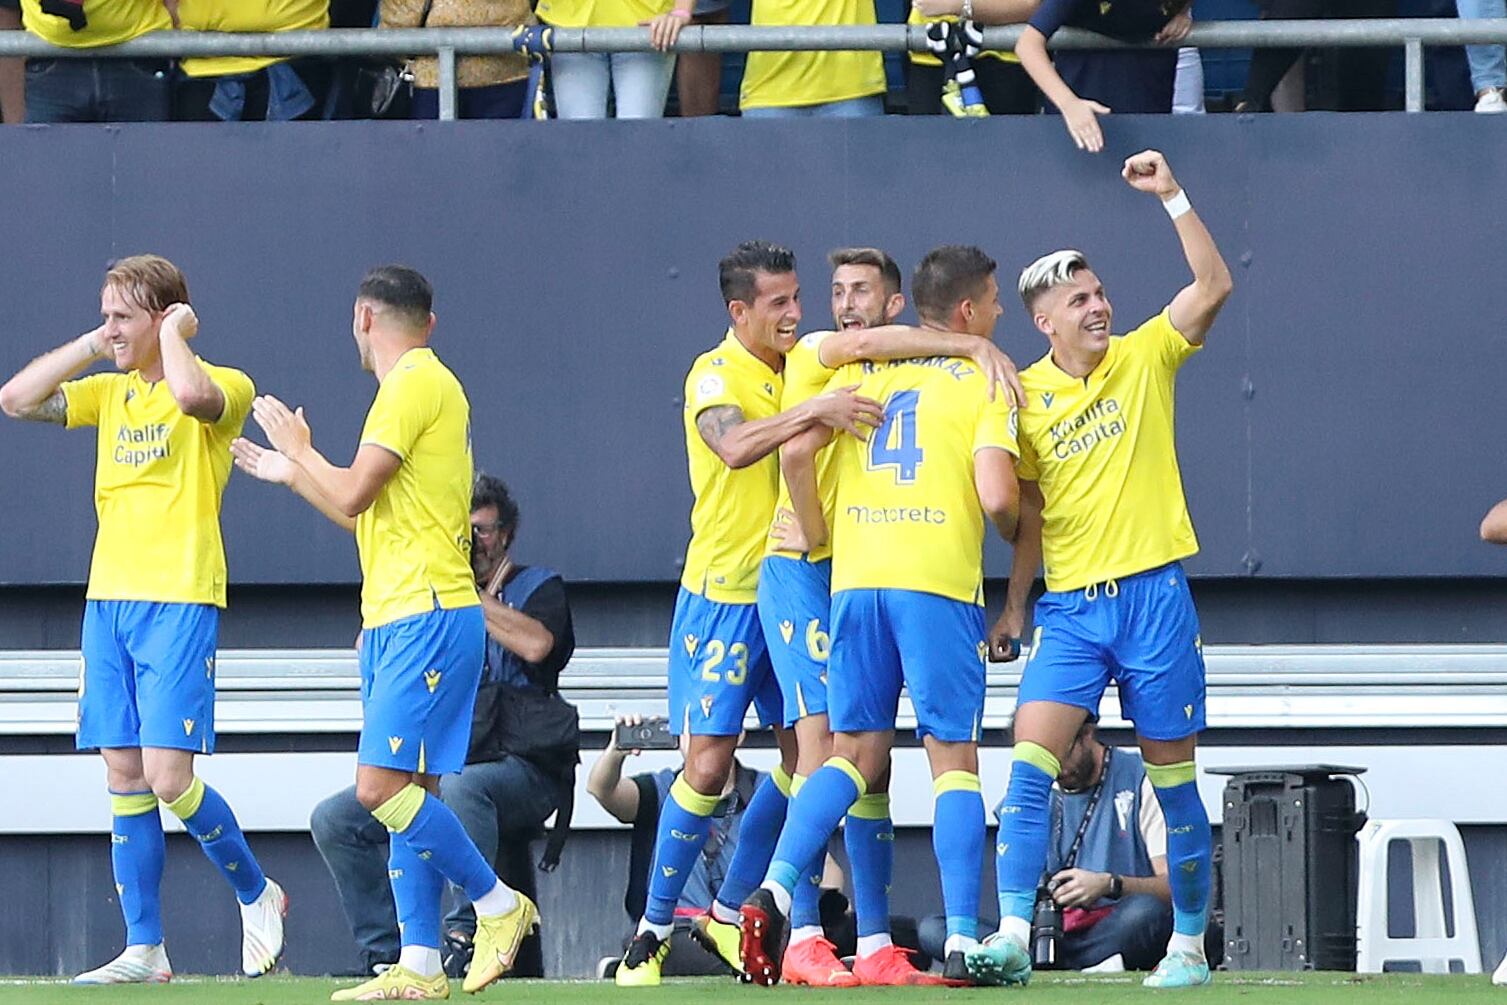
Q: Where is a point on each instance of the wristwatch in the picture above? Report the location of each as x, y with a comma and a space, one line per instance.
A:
1116, 886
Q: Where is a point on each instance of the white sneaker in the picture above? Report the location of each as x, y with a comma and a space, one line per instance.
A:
262, 930
1500, 977
137, 965
1114, 965
1491, 102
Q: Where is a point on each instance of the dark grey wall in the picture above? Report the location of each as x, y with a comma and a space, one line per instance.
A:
575, 268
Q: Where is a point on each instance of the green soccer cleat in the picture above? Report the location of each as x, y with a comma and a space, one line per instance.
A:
999, 961
1179, 970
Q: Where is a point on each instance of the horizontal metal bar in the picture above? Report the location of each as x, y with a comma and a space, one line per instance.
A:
747, 38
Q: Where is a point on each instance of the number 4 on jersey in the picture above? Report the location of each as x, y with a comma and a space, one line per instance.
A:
894, 444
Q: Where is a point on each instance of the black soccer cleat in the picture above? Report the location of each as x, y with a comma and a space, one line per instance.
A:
766, 932
955, 970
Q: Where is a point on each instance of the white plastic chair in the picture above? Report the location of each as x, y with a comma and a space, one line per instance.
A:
1430, 946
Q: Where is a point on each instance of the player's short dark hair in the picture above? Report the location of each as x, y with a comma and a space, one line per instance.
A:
947, 276
402, 290
738, 272
489, 491
888, 270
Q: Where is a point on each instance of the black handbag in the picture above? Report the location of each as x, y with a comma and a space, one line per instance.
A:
384, 88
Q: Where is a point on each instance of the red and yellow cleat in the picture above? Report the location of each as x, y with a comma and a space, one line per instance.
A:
814, 962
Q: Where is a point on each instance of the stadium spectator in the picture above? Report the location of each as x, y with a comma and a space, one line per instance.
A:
1488, 63
1083, 84
812, 84
1360, 74
97, 90
698, 75
1107, 861
489, 87
639, 82
12, 71
498, 794
1004, 84
252, 88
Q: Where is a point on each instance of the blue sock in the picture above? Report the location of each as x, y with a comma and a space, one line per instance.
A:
434, 833
814, 815
757, 833
207, 816
869, 834
1189, 844
417, 888
806, 898
1024, 829
684, 820
957, 836
137, 852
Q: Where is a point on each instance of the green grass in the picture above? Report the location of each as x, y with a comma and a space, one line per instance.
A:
1252, 988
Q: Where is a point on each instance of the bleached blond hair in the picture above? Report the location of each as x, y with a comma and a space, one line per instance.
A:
1047, 272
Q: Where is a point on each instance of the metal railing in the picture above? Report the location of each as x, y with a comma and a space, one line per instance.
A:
447, 43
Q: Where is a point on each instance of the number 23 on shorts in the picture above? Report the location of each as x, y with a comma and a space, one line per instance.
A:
716, 653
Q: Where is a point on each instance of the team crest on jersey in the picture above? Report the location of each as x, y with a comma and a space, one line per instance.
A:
395, 743
431, 680
787, 631
706, 706
188, 727
690, 645
1046, 398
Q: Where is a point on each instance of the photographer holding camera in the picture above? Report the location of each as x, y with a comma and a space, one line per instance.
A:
1104, 903
521, 763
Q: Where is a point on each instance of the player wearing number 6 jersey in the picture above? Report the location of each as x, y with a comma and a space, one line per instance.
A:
718, 660
907, 538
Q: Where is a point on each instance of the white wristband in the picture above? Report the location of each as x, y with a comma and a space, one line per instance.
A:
1177, 205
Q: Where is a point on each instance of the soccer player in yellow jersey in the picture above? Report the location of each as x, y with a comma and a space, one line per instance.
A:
407, 498
1102, 501
163, 425
907, 600
719, 663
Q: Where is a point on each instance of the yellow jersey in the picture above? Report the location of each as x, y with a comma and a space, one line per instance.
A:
238, 15
415, 539
159, 476
797, 79
907, 513
109, 22
805, 378
730, 517
927, 59
1102, 449
599, 13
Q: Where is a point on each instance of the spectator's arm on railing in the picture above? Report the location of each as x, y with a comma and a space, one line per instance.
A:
12, 75
984, 11
1078, 115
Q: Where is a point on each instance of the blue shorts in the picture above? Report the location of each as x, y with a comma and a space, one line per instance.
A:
795, 606
418, 690
149, 675
718, 665
933, 645
1142, 633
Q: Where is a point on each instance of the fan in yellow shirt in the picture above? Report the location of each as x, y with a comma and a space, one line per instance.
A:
252, 88
163, 425
1102, 498
407, 498
814, 84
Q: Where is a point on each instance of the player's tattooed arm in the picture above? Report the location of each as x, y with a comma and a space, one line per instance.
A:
54, 409
34, 392
714, 424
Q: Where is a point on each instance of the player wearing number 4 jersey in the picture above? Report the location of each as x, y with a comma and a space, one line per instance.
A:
1102, 500
719, 664
907, 538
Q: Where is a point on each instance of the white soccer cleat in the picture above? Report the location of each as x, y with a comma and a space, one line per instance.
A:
1500, 977
262, 930
136, 965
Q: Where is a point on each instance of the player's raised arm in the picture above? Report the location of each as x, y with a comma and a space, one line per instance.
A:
33, 392
350, 490
271, 466
1194, 308
798, 466
187, 380
741, 442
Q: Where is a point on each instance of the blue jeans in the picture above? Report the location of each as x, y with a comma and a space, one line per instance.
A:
1488, 66
490, 798
853, 108
640, 82
498, 101
1138, 929
98, 90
